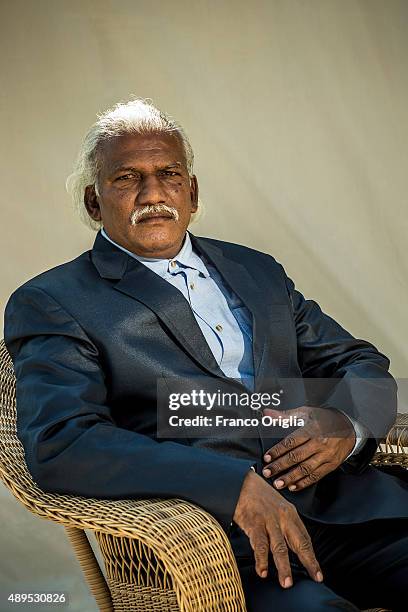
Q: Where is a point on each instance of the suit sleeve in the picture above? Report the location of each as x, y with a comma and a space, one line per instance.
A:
71, 441
364, 389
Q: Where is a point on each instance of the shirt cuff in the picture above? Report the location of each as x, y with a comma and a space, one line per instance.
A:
362, 433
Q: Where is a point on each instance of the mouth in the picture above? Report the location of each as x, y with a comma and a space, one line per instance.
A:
156, 218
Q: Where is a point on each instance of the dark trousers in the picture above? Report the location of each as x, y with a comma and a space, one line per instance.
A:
364, 566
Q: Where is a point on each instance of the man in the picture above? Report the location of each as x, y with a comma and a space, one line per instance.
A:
91, 338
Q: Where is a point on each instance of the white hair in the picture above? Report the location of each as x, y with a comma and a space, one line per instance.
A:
136, 116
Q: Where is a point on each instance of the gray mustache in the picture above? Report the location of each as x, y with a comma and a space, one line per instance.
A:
138, 214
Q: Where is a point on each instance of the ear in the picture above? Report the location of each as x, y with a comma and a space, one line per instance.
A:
194, 193
91, 203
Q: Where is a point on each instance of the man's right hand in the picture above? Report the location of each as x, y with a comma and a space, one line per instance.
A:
272, 524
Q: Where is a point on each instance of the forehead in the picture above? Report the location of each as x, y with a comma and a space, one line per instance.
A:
141, 149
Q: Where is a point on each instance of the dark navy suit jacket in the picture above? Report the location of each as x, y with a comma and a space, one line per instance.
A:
90, 337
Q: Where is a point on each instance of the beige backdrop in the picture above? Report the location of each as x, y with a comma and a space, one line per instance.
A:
297, 111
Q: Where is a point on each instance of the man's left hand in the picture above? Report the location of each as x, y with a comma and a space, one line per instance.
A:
313, 451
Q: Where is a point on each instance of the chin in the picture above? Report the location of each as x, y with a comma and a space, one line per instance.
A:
157, 237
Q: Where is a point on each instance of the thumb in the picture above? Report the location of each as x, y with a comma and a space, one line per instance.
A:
275, 413
301, 412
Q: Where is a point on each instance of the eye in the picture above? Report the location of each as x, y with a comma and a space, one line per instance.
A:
170, 173
125, 177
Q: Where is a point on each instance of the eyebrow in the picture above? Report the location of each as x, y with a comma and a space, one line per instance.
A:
134, 169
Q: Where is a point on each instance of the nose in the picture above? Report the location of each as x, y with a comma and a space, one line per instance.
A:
150, 191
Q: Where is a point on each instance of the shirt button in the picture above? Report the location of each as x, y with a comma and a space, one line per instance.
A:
218, 327
173, 264
192, 285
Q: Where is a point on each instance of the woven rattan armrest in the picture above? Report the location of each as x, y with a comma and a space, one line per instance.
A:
178, 546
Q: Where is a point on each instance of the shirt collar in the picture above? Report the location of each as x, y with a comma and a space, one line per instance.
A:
185, 258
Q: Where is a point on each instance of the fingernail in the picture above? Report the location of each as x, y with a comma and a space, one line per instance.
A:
288, 582
292, 487
264, 574
267, 458
267, 473
279, 483
319, 577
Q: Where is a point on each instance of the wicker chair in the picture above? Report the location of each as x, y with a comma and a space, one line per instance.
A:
164, 555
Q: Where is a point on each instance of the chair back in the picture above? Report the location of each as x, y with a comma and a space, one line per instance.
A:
13, 468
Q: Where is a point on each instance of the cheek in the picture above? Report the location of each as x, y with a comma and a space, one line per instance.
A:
180, 192
116, 212
174, 188
119, 201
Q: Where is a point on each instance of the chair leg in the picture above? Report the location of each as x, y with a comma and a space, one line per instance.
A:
90, 567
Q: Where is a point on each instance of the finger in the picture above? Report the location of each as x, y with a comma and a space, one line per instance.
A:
279, 550
260, 545
300, 542
297, 438
306, 469
317, 475
291, 458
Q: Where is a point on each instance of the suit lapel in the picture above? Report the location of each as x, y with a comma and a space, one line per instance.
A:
171, 307
167, 302
272, 340
239, 279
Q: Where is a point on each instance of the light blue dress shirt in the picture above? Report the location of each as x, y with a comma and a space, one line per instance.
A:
223, 318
